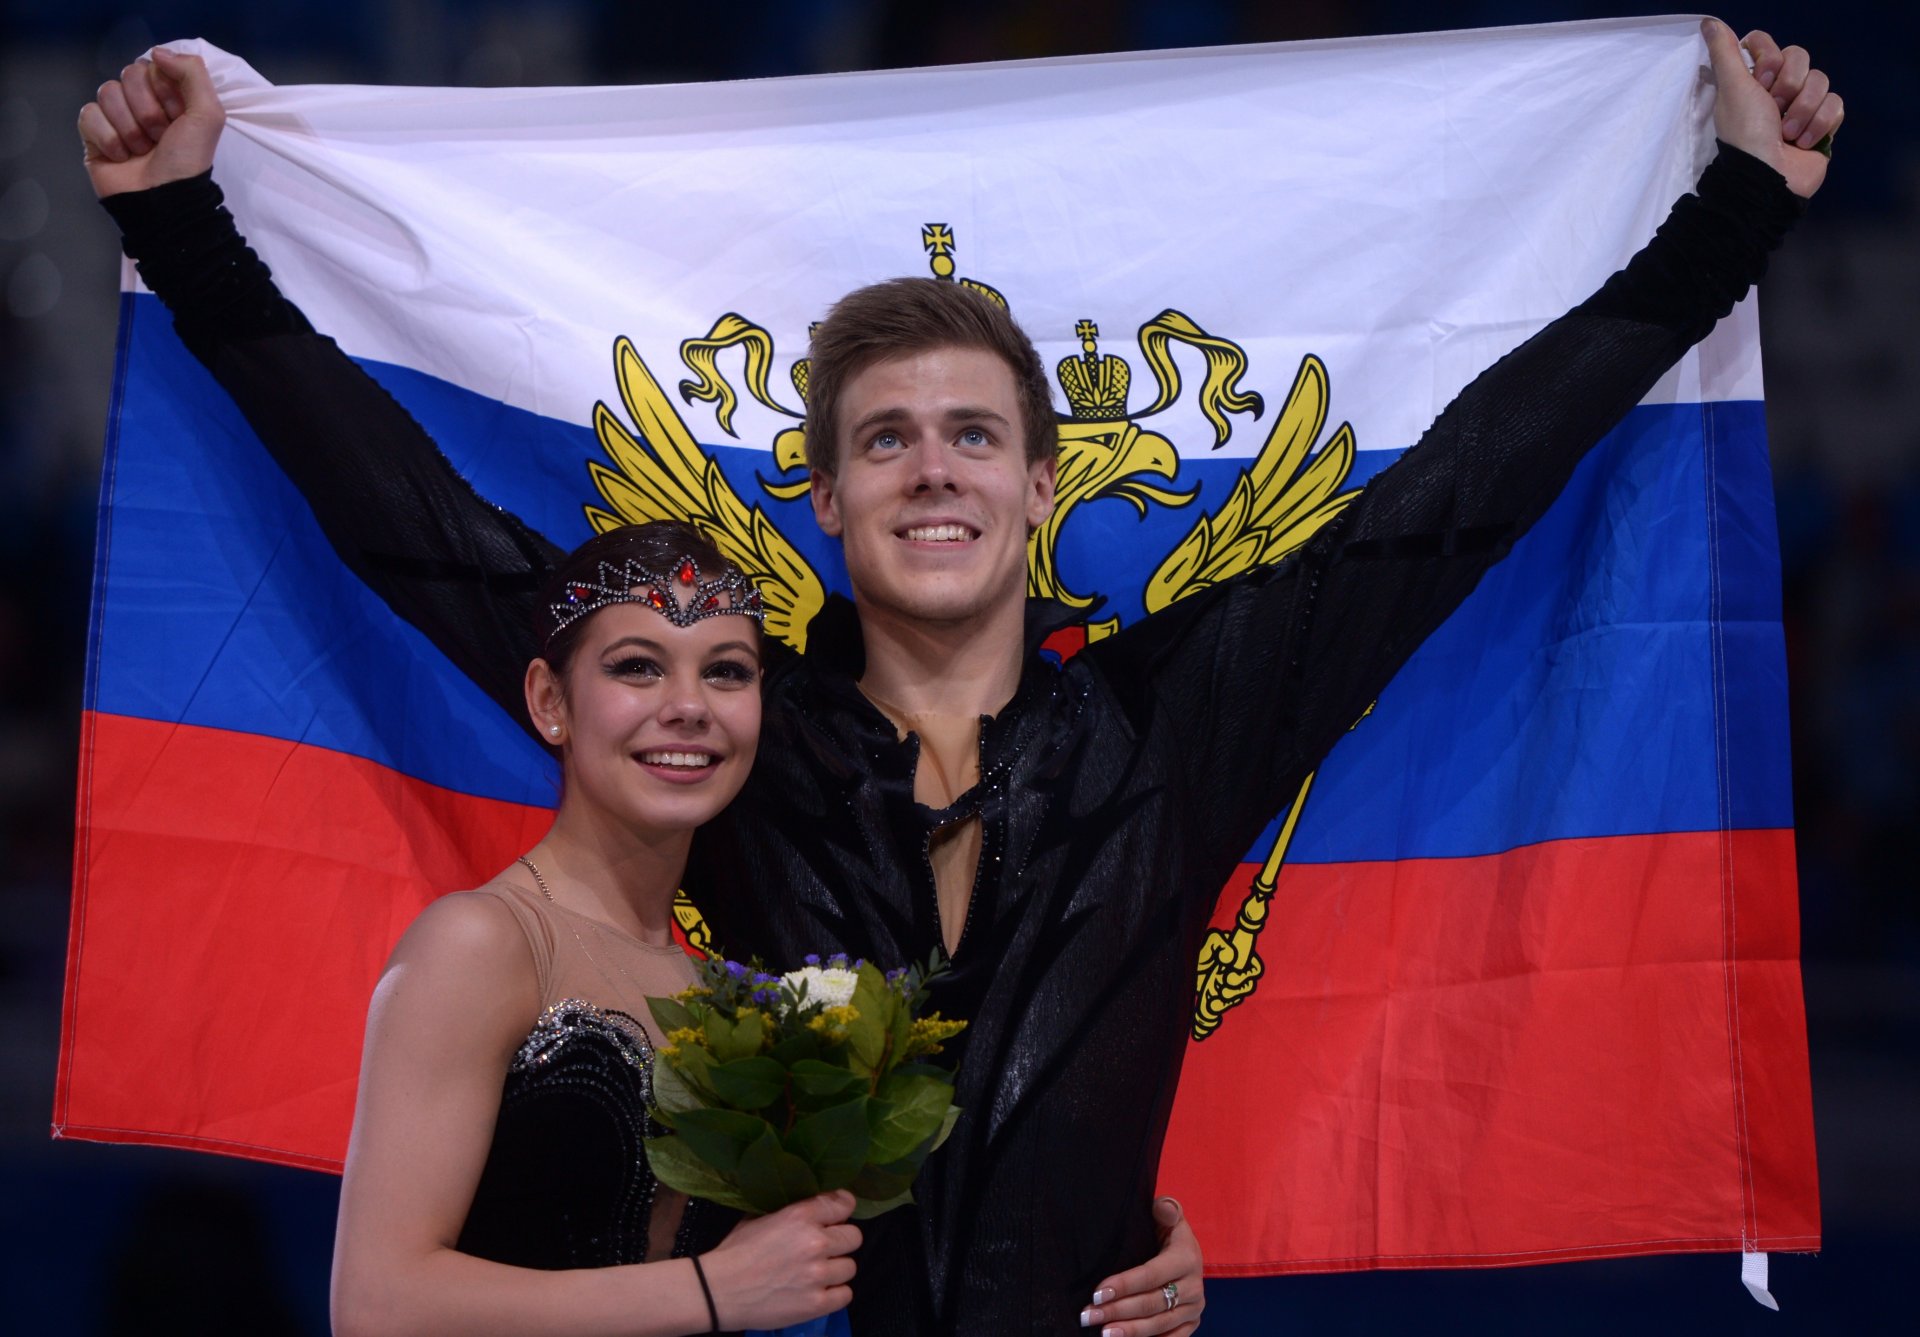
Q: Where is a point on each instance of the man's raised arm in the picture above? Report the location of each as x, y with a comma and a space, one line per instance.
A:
1266, 672
465, 572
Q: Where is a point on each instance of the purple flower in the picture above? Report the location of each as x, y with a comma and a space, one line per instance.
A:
897, 974
811, 959
838, 961
735, 969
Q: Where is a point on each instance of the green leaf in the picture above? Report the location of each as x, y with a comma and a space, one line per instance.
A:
798, 1047
719, 1029
692, 1067
865, 1209
819, 1084
670, 1015
672, 1092
906, 1115
770, 1177
868, 1032
719, 1136
749, 1034
946, 1129
677, 1167
881, 1182
749, 1083
901, 1017
833, 1142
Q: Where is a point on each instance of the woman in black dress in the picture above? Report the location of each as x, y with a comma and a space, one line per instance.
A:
497, 1179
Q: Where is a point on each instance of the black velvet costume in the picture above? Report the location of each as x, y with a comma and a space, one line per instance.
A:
566, 1182
1116, 792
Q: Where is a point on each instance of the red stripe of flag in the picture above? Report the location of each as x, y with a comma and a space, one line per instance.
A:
235, 898
1513, 1043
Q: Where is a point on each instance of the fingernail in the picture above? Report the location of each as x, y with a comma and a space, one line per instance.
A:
1791, 130
1102, 1296
1709, 26
1766, 80
1087, 1320
1113, 1331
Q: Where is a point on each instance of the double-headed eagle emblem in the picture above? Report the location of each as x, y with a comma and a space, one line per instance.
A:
655, 469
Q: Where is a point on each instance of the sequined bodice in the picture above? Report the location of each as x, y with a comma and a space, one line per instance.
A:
566, 1182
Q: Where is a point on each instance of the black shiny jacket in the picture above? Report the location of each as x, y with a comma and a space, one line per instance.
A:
1116, 792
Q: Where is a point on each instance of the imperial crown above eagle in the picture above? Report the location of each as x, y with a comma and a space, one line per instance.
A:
656, 469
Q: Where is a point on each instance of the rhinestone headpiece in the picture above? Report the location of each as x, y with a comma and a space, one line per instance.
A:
690, 600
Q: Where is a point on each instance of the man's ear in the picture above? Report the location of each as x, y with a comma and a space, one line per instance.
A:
826, 503
1041, 479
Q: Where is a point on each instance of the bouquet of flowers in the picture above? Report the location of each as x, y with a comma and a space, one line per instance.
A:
778, 1087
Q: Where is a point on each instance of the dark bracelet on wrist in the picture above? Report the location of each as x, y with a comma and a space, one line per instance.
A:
706, 1292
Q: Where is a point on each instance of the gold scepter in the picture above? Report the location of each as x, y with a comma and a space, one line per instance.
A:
1230, 968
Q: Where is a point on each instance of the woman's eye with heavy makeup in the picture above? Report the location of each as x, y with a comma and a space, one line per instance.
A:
732, 673
633, 666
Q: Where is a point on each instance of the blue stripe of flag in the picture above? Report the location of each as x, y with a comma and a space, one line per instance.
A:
1572, 696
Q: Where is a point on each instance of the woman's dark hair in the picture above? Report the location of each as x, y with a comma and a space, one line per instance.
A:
657, 546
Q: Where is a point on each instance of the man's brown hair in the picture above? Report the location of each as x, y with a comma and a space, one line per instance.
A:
905, 316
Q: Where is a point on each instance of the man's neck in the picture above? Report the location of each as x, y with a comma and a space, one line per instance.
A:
916, 668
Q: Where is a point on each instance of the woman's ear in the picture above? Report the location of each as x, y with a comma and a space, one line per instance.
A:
546, 702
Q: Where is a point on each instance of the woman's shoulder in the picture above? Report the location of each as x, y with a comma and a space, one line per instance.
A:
485, 934
480, 921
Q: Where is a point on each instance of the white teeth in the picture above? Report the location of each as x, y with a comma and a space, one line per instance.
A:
690, 760
939, 534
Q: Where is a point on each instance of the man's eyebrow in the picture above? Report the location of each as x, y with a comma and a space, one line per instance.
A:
973, 413
959, 413
878, 417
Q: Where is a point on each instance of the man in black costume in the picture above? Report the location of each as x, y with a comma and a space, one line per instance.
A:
926, 779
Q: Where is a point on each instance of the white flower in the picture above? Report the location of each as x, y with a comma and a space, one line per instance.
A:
822, 985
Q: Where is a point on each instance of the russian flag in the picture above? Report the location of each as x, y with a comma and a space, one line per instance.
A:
1527, 981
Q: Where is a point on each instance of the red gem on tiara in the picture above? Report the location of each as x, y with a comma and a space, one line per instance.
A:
657, 600
713, 601
687, 571
576, 593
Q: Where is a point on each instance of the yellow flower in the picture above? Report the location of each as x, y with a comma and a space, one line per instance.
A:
685, 1035
928, 1033
832, 1022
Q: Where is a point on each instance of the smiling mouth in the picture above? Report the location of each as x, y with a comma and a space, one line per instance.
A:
679, 761
947, 533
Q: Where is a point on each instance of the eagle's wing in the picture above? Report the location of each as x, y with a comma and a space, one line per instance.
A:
1277, 504
659, 472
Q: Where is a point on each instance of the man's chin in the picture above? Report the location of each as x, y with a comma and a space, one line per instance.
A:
939, 609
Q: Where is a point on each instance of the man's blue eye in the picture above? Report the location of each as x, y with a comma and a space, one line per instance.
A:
974, 436
887, 441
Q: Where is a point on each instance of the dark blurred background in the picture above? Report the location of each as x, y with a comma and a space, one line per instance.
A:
98, 1239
